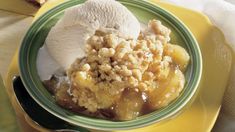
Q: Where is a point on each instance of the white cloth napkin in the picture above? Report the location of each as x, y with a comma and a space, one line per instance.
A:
222, 14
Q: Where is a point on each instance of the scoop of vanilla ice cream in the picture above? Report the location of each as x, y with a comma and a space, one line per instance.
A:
103, 14
46, 65
66, 40
67, 43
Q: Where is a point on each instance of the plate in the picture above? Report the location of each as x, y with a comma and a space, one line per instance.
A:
36, 36
217, 62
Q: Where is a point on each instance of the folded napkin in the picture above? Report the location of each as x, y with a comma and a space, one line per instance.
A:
222, 14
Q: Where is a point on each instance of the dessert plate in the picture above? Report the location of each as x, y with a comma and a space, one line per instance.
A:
144, 11
217, 60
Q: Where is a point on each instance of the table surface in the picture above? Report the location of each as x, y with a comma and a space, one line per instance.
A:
14, 23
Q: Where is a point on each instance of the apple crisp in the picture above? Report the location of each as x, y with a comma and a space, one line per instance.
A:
121, 78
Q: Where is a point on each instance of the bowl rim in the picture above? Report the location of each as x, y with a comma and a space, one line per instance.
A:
99, 123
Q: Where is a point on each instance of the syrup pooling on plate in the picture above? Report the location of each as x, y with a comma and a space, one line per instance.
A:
122, 78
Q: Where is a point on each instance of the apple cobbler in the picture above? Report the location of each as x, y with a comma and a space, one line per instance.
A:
120, 78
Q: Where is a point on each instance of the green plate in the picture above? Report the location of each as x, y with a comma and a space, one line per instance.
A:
144, 11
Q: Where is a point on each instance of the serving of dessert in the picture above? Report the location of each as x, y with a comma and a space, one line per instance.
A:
98, 61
